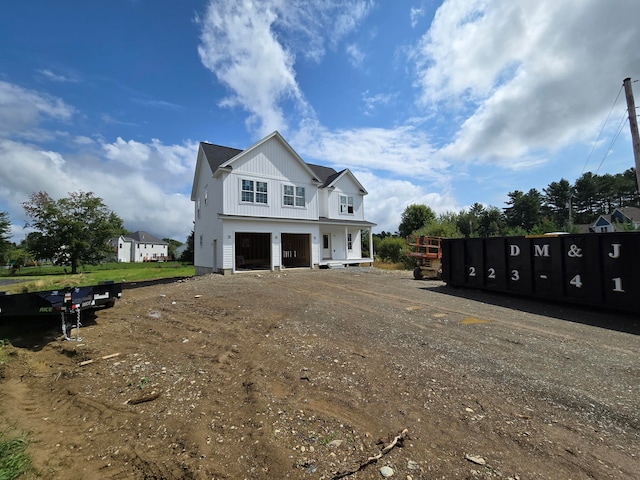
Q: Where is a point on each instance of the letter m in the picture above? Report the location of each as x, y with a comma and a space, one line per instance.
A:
541, 250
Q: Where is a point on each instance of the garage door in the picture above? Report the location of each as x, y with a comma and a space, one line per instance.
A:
253, 251
296, 250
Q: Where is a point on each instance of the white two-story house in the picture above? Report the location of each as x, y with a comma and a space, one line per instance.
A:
139, 246
264, 208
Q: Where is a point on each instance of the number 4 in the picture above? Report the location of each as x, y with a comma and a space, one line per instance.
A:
576, 281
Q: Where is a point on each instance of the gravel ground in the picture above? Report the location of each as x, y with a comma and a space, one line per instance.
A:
354, 373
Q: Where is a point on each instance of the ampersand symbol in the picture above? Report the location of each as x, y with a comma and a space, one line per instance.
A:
574, 251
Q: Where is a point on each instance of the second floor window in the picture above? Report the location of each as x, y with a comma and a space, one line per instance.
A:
346, 204
254, 192
294, 196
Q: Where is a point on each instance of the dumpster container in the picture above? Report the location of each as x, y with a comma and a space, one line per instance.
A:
599, 269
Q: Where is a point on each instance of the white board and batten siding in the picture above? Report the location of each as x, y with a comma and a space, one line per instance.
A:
345, 187
206, 206
273, 164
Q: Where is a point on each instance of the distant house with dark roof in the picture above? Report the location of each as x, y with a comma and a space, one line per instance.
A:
622, 218
266, 208
139, 246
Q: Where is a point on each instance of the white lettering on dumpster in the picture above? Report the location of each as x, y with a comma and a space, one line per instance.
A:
541, 250
616, 250
574, 251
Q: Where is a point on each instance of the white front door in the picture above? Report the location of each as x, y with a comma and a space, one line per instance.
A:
326, 245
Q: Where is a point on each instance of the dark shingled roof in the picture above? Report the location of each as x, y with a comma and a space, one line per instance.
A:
632, 213
146, 237
217, 154
326, 175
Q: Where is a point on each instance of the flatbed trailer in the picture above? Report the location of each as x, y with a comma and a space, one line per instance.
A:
427, 253
68, 302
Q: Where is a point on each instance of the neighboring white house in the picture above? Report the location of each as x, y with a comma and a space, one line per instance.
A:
139, 247
265, 208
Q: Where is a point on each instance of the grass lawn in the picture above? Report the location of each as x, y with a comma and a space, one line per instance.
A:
47, 277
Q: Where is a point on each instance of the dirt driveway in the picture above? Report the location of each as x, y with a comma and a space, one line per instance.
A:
329, 374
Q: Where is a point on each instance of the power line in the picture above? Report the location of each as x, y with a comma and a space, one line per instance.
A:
623, 121
602, 129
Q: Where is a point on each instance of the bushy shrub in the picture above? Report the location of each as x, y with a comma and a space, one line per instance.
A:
392, 249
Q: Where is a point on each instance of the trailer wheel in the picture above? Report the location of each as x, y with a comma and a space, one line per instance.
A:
417, 273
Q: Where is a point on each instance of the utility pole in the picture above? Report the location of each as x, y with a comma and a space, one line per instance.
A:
633, 124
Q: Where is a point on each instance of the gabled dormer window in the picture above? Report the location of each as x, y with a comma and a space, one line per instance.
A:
293, 196
254, 192
346, 204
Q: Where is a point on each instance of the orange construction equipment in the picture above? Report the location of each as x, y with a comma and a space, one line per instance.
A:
428, 255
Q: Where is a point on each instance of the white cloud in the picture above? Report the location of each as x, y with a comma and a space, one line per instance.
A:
251, 47
402, 152
371, 102
388, 198
355, 55
142, 191
56, 77
168, 165
145, 183
526, 78
239, 46
415, 15
82, 140
21, 110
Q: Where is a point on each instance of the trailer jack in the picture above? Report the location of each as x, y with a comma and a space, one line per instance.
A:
67, 323
66, 312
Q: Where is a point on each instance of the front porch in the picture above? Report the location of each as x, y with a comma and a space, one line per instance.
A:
331, 263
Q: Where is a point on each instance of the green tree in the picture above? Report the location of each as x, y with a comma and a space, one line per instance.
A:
72, 230
445, 225
188, 254
544, 225
627, 187
172, 246
364, 244
585, 194
468, 222
524, 209
392, 249
5, 230
491, 222
413, 218
557, 199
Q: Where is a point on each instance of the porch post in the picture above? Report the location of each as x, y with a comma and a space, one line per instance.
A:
371, 245
346, 243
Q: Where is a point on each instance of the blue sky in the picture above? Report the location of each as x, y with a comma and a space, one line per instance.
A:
443, 103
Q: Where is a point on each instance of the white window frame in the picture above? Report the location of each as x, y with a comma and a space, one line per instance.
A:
346, 205
255, 191
297, 196
349, 242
